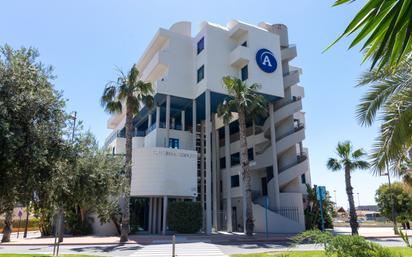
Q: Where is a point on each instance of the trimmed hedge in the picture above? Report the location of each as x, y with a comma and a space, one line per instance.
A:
184, 217
33, 223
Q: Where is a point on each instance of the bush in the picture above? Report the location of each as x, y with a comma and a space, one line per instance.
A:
33, 223
185, 217
344, 246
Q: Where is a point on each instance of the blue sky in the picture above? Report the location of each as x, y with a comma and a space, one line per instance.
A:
85, 40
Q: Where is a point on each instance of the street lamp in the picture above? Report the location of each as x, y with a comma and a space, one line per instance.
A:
395, 226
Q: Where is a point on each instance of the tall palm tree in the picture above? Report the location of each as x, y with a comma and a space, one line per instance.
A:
389, 99
246, 101
128, 93
349, 160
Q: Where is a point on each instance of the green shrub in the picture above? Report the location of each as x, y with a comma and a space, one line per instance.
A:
33, 223
185, 217
344, 246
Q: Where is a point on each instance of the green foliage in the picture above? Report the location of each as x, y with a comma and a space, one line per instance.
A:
343, 245
184, 217
405, 238
402, 200
384, 27
312, 210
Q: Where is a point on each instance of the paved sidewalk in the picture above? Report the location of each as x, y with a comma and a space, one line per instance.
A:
371, 232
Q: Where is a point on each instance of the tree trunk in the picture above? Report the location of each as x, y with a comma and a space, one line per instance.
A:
244, 159
8, 226
352, 211
124, 236
61, 224
26, 223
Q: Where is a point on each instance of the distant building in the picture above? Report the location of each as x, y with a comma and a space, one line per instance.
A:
374, 208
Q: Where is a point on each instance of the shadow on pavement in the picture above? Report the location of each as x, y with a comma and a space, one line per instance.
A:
106, 248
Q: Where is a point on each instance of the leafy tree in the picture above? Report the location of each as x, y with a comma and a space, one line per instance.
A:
402, 199
385, 27
128, 93
31, 124
246, 101
389, 99
349, 160
312, 210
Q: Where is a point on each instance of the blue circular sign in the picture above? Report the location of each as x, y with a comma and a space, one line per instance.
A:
266, 61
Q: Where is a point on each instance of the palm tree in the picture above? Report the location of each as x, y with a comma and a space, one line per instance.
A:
389, 99
128, 93
384, 28
246, 101
349, 160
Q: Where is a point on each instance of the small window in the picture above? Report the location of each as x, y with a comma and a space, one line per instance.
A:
303, 178
223, 163
244, 44
200, 73
235, 159
244, 73
250, 154
234, 181
200, 45
174, 143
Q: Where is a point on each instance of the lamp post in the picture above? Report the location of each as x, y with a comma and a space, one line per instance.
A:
336, 203
358, 200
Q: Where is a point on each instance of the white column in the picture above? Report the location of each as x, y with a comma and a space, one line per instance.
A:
164, 214
167, 120
183, 122
228, 184
194, 124
159, 215
208, 165
154, 223
274, 203
157, 116
215, 181
150, 214
149, 121
202, 172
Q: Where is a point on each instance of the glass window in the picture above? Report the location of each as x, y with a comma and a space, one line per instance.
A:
200, 45
200, 73
303, 178
250, 154
244, 73
223, 163
235, 159
174, 143
244, 44
234, 181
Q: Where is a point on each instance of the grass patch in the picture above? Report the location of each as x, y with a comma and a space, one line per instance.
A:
404, 251
43, 255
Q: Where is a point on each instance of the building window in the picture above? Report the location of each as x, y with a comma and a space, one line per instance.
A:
244, 44
200, 45
234, 181
200, 73
174, 143
223, 163
244, 73
250, 154
235, 159
303, 178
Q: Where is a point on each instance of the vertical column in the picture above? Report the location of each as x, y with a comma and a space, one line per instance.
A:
149, 121
159, 215
157, 116
202, 172
164, 214
228, 185
215, 181
150, 214
194, 124
154, 223
218, 177
167, 120
208, 165
273, 185
183, 122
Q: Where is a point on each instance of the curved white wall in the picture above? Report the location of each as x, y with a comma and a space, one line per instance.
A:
164, 171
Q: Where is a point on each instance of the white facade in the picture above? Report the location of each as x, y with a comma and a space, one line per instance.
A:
182, 150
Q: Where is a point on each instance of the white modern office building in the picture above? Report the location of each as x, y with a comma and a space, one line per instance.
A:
183, 151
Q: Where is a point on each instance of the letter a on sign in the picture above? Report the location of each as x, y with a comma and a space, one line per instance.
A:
266, 61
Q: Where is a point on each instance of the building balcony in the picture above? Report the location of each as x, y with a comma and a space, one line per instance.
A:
291, 78
292, 138
157, 66
240, 56
287, 174
288, 53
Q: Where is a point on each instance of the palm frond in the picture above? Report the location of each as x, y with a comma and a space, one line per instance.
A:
333, 164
